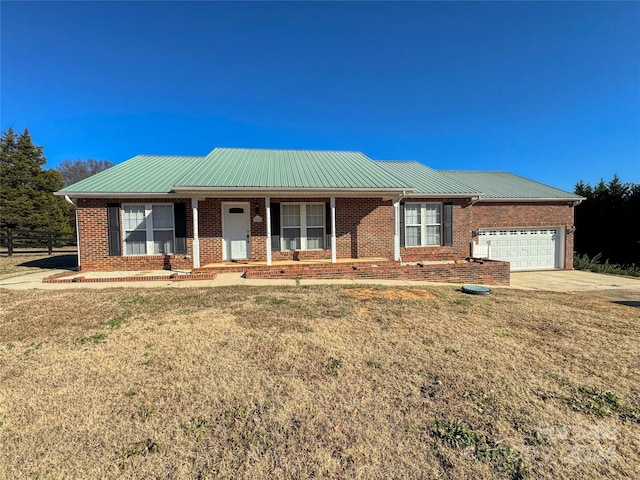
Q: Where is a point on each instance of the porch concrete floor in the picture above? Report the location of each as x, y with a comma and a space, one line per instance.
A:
277, 263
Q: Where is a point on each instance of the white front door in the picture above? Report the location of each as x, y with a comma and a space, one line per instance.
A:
236, 231
525, 248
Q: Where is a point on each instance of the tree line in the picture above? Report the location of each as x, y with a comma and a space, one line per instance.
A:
608, 221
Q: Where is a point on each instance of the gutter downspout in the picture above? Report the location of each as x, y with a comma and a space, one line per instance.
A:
396, 226
75, 208
474, 242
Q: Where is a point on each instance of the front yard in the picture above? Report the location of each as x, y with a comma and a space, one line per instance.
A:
323, 382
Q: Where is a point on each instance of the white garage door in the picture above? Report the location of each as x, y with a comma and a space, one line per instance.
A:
525, 248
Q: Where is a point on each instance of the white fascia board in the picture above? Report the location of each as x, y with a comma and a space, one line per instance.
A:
202, 192
283, 192
444, 195
575, 200
117, 194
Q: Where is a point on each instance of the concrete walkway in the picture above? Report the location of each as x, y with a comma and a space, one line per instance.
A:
33, 281
557, 280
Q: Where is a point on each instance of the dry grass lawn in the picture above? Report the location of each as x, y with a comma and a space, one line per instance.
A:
322, 382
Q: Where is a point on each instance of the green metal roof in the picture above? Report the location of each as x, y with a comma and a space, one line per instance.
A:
427, 181
241, 168
141, 174
288, 169
507, 186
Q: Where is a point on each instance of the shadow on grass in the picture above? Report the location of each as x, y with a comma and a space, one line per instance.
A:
628, 303
68, 262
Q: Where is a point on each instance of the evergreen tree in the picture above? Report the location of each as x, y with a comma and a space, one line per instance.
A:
608, 221
26, 189
584, 190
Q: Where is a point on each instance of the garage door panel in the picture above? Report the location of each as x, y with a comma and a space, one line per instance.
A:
524, 248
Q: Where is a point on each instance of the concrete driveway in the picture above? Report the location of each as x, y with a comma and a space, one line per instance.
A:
574, 281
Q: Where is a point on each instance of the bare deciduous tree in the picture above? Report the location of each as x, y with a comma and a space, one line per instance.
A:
75, 170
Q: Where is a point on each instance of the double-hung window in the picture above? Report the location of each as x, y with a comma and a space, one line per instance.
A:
149, 229
291, 227
423, 224
303, 226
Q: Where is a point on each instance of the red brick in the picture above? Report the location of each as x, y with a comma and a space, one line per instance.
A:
364, 229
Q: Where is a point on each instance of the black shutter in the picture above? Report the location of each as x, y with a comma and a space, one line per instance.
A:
113, 226
402, 224
180, 226
275, 227
448, 225
327, 218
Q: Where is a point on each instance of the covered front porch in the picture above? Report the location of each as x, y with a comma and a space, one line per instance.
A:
232, 232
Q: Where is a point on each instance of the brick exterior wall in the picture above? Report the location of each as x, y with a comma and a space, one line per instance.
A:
461, 235
94, 244
364, 228
496, 214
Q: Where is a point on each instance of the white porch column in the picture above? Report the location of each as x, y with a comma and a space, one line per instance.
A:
267, 204
396, 230
333, 229
196, 239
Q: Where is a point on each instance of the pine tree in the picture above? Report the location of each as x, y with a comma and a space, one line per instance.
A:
26, 189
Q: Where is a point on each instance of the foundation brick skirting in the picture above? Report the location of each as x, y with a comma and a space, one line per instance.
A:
489, 272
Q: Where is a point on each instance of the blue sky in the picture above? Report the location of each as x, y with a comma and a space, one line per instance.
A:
546, 90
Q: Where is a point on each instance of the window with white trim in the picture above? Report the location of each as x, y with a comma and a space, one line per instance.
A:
422, 224
303, 226
148, 229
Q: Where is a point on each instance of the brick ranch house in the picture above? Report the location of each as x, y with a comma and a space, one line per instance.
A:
290, 213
